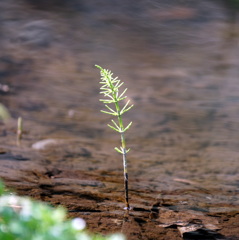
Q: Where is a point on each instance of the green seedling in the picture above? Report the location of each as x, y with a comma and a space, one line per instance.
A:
4, 113
19, 131
113, 95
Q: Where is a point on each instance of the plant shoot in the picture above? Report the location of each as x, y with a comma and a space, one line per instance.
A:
111, 90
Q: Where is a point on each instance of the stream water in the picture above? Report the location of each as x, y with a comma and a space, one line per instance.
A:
179, 61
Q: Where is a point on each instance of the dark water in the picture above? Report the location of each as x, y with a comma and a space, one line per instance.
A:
179, 60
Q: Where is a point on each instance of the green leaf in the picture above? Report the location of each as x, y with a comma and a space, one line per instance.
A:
121, 95
113, 111
117, 150
119, 84
117, 130
115, 124
98, 67
126, 128
127, 109
107, 101
120, 99
114, 114
123, 109
109, 95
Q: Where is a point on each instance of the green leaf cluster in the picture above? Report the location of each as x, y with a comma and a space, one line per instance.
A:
111, 90
24, 219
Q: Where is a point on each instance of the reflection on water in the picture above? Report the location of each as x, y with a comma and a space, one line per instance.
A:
179, 60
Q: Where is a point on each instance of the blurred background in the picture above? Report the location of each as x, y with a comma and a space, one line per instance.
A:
178, 58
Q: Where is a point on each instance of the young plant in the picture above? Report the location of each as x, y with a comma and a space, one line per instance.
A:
19, 131
113, 95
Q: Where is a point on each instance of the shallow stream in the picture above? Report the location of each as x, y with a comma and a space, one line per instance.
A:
179, 60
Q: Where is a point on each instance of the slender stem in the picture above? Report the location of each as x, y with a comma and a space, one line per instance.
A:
19, 131
125, 172
124, 153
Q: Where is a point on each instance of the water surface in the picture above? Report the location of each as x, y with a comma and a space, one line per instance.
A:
179, 60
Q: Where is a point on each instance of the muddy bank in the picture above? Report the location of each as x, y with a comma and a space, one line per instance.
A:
97, 196
180, 64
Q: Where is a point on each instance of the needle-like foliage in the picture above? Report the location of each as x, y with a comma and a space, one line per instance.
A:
113, 96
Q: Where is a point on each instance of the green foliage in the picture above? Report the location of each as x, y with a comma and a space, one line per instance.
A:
111, 90
112, 95
24, 219
2, 188
4, 113
233, 3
